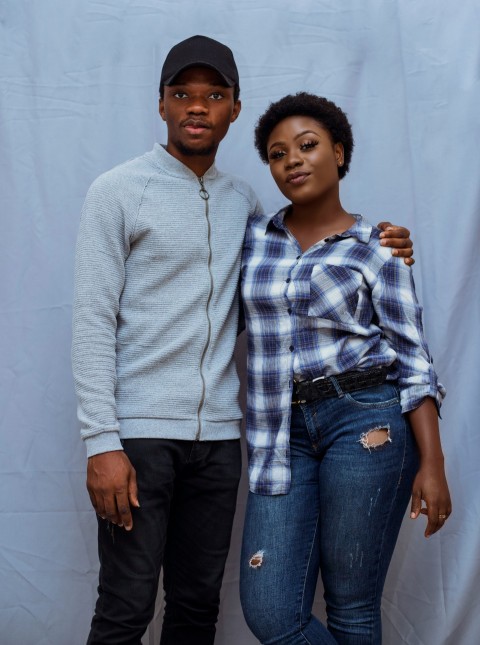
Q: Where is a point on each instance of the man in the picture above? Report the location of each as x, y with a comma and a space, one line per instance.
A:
155, 322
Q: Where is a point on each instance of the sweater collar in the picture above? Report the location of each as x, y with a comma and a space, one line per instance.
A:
172, 166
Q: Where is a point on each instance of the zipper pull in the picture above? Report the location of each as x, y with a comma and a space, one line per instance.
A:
203, 191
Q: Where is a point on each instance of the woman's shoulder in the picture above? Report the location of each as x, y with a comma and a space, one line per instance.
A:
257, 223
368, 236
363, 251
259, 220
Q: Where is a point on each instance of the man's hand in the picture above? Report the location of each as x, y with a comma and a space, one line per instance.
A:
112, 486
398, 238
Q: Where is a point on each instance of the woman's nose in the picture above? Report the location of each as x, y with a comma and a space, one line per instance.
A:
293, 159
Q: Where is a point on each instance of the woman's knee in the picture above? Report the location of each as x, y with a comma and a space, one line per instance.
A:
265, 613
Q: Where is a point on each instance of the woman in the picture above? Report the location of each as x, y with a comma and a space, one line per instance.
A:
343, 399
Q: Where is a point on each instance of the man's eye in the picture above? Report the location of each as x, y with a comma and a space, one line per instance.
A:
276, 154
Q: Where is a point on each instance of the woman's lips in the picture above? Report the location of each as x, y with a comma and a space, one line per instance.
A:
297, 178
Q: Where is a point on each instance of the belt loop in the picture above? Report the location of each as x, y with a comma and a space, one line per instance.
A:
337, 387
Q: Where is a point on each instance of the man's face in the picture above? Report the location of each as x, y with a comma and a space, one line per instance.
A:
198, 110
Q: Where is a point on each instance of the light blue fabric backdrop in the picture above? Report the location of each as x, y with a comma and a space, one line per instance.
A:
78, 94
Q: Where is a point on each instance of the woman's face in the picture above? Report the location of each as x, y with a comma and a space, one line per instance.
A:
303, 159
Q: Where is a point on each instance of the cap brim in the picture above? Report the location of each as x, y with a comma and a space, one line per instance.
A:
170, 80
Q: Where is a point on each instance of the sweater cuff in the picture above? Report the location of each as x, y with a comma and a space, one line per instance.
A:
103, 442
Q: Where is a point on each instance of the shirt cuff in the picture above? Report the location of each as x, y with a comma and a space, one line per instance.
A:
413, 395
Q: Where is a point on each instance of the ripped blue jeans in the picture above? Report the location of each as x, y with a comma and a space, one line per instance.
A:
353, 461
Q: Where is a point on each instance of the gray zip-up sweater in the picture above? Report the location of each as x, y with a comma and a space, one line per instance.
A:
156, 308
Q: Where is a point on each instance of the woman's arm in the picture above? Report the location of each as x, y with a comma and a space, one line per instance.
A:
400, 318
430, 484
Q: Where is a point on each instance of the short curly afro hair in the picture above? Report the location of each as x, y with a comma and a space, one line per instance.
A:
328, 115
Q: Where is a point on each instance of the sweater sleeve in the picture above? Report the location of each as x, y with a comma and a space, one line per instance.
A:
103, 245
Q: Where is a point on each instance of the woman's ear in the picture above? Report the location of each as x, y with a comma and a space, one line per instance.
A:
339, 154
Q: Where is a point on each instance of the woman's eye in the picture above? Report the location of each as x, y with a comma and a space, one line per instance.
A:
276, 154
308, 145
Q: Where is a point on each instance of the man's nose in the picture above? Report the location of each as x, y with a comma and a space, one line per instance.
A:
197, 106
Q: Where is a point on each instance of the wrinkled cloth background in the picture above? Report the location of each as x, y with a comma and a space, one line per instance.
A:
78, 94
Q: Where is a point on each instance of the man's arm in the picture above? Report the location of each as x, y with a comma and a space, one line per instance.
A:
398, 238
102, 247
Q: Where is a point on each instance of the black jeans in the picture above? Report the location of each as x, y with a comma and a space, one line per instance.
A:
187, 495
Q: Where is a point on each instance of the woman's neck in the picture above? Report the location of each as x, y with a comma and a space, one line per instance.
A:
310, 223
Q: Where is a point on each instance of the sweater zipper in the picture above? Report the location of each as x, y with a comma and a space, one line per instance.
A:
205, 196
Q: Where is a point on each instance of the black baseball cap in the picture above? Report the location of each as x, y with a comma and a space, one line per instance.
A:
200, 51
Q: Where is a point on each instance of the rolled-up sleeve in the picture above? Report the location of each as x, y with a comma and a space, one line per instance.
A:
400, 318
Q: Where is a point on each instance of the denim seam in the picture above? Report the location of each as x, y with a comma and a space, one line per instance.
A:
310, 423
306, 413
305, 580
305, 638
381, 405
390, 513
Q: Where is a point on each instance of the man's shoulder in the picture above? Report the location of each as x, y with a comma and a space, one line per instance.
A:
239, 185
122, 187
130, 172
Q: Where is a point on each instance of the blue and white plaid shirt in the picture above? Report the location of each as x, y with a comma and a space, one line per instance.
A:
345, 304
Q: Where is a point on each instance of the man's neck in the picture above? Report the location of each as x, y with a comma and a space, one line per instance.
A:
199, 164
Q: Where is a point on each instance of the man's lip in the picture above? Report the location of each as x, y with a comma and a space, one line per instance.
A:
192, 125
297, 177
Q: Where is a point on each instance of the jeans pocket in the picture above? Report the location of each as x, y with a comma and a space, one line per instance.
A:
379, 396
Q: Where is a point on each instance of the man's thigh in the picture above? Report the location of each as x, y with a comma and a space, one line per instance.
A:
130, 561
200, 526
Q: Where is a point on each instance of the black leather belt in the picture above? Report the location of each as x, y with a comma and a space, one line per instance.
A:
324, 388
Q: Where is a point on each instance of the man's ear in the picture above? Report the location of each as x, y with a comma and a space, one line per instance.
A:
161, 108
236, 110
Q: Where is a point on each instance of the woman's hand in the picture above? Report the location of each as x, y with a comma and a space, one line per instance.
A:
398, 238
430, 485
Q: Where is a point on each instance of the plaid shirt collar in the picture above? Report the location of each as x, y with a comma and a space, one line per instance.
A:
361, 229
